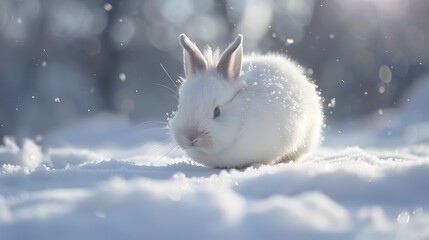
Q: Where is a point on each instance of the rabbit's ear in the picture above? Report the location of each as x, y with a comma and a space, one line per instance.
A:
230, 61
193, 60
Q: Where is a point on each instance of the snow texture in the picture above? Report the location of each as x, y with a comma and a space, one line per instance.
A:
370, 181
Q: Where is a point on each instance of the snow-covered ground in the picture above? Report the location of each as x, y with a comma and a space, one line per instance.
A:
105, 179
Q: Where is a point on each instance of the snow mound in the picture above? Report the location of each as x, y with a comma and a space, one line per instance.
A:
349, 193
29, 156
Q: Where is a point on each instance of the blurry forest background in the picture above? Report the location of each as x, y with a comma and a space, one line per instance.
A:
63, 60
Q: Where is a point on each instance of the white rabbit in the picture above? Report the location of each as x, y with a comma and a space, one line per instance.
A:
235, 111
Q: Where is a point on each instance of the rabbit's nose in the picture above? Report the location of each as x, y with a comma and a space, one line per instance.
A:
193, 136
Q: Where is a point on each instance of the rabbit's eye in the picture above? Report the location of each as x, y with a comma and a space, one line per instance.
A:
216, 112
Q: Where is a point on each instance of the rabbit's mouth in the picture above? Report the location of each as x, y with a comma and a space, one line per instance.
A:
202, 155
203, 144
196, 141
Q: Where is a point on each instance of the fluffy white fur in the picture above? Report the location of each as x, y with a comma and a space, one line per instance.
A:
270, 113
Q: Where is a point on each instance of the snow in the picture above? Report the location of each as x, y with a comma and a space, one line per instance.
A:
103, 178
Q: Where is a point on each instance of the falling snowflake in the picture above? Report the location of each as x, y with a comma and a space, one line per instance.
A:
122, 77
108, 7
